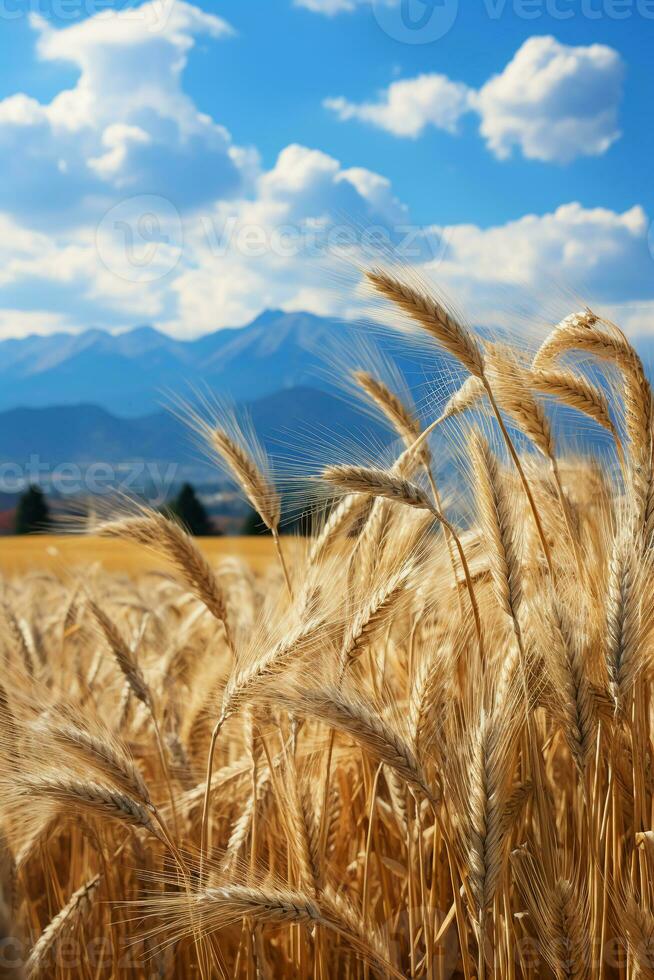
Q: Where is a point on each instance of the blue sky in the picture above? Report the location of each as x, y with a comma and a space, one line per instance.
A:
189, 165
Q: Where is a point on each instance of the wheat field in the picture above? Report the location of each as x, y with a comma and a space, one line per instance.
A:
59, 553
418, 745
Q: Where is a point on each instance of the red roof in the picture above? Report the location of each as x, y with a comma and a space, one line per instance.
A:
7, 521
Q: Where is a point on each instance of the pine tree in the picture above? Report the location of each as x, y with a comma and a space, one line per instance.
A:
253, 524
32, 512
188, 509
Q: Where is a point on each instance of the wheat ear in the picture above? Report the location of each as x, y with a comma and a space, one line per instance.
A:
511, 382
256, 487
341, 517
375, 612
452, 335
89, 796
240, 683
408, 427
623, 622
137, 684
576, 391
330, 706
9, 733
18, 637
468, 395
385, 483
64, 921
575, 700
216, 908
110, 760
488, 825
497, 525
432, 317
166, 537
122, 655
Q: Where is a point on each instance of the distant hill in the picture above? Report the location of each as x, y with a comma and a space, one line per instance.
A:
134, 373
95, 397
284, 421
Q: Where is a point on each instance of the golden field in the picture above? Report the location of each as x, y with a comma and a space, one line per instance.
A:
56, 552
417, 744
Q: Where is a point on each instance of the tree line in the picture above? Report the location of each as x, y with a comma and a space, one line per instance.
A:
33, 514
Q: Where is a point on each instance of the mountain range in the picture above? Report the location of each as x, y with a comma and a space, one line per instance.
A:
76, 400
134, 373
79, 436
96, 397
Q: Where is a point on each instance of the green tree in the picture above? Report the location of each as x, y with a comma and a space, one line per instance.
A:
188, 509
32, 512
253, 524
290, 522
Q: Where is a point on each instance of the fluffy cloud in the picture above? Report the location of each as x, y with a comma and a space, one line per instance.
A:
237, 258
407, 107
239, 262
552, 102
23, 323
594, 253
330, 7
123, 203
125, 125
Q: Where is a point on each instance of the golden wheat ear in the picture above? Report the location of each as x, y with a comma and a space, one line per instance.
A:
432, 317
352, 716
604, 340
496, 521
390, 405
64, 922
165, 536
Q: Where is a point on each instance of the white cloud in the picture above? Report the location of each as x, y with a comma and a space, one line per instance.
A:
116, 138
280, 248
407, 107
126, 124
594, 253
233, 239
23, 323
130, 60
241, 264
330, 7
552, 102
